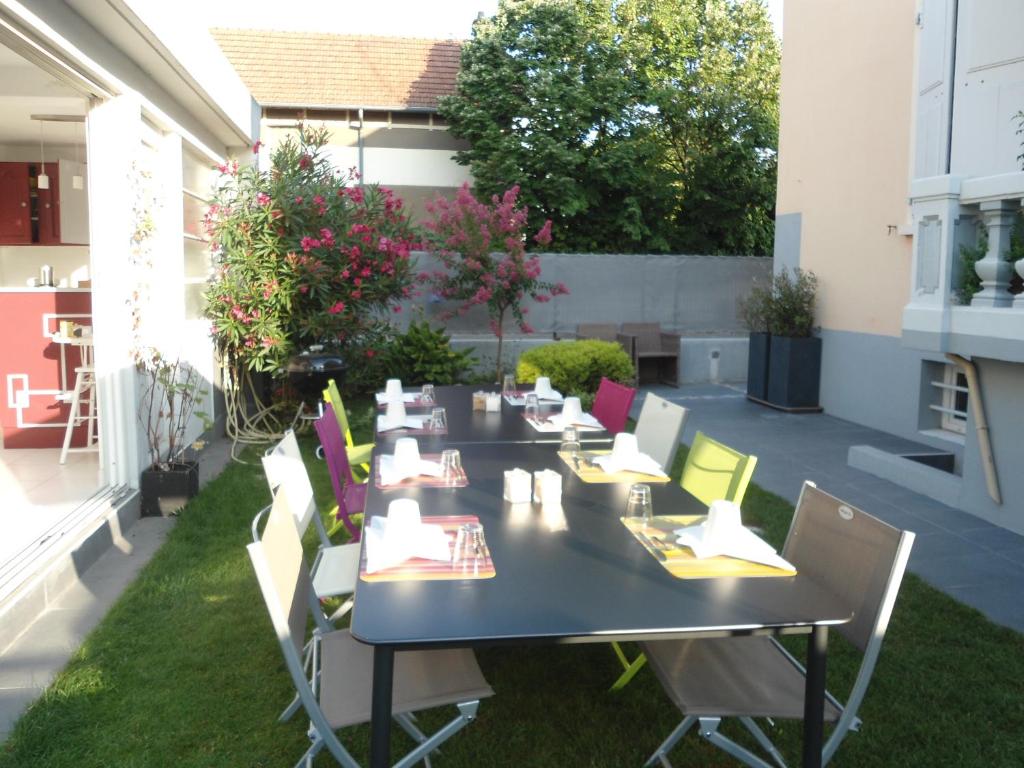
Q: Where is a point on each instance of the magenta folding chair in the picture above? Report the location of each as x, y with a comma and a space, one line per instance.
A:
611, 405
350, 495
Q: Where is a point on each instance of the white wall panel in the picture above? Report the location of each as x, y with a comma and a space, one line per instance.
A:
989, 87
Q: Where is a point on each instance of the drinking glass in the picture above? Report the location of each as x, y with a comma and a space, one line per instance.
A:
427, 395
438, 420
508, 386
639, 505
451, 465
532, 410
470, 547
571, 443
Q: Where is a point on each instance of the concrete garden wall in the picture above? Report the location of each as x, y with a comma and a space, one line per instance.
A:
697, 296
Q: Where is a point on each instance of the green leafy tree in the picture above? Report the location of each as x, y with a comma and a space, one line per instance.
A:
634, 125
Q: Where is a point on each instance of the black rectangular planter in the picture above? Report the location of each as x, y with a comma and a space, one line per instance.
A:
794, 372
757, 365
180, 482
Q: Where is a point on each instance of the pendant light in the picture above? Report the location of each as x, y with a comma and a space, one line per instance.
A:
77, 182
42, 180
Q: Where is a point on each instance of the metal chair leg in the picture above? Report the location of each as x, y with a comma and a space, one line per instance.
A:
661, 753
631, 667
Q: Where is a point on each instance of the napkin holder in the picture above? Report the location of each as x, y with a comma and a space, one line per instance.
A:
547, 487
493, 402
517, 486
479, 401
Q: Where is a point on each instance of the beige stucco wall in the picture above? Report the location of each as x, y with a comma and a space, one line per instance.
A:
416, 163
844, 154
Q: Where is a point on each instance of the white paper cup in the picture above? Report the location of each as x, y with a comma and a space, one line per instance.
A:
407, 454
542, 386
571, 411
393, 389
625, 446
395, 412
403, 513
723, 519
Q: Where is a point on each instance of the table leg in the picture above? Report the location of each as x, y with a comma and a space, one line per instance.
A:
814, 696
380, 711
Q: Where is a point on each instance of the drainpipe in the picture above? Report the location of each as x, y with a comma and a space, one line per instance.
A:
952, 87
980, 425
359, 141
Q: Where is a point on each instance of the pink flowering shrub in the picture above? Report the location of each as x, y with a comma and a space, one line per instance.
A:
483, 249
303, 257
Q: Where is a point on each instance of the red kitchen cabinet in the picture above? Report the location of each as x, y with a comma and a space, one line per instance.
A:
15, 210
46, 205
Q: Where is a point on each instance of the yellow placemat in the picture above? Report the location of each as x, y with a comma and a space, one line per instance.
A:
680, 561
590, 473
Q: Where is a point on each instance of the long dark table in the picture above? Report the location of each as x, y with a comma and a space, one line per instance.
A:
591, 582
466, 426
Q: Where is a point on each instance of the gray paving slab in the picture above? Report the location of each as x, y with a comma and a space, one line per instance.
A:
963, 555
29, 664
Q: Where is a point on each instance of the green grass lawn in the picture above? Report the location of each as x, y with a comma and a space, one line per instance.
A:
185, 671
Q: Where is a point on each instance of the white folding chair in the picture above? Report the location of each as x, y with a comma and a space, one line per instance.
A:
860, 560
660, 428
338, 689
336, 566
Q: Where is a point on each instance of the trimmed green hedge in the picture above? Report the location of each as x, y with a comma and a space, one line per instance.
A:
576, 367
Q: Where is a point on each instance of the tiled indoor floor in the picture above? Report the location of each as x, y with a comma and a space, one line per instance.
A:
37, 494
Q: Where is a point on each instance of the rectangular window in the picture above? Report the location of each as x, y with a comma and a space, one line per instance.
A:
197, 175
952, 401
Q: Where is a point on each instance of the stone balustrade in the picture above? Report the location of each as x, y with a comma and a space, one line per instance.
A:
948, 214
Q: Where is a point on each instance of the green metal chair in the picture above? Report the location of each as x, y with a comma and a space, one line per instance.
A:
712, 471
358, 455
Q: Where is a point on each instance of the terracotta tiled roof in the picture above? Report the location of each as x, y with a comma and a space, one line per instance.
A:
313, 69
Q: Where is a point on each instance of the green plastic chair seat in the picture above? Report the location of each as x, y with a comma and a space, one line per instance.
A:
712, 471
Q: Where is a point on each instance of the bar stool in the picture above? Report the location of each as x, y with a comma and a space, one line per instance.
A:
84, 394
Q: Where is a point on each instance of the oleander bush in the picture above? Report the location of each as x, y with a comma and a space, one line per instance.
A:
576, 367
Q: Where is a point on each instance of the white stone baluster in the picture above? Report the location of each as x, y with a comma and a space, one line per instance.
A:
994, 270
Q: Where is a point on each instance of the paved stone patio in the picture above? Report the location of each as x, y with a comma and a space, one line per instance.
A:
978, 563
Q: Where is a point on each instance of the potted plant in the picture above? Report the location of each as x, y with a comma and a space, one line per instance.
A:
754, 311
794, 368
171, 393
784, 361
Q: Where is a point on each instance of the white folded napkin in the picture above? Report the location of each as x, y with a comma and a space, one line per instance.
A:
542, 388
390, 543
584, 420
383, 398
723, 534
392, 474
637, 462
384, 424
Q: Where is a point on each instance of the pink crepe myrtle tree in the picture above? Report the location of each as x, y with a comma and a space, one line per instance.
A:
482, 247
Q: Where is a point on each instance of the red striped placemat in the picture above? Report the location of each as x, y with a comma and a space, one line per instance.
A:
416, 402
406, 431
417, 569
421, 481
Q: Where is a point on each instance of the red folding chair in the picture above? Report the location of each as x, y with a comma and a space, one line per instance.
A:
350, 495
611, 405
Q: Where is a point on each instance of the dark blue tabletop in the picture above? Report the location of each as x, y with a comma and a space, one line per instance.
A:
468, 426
571, 575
